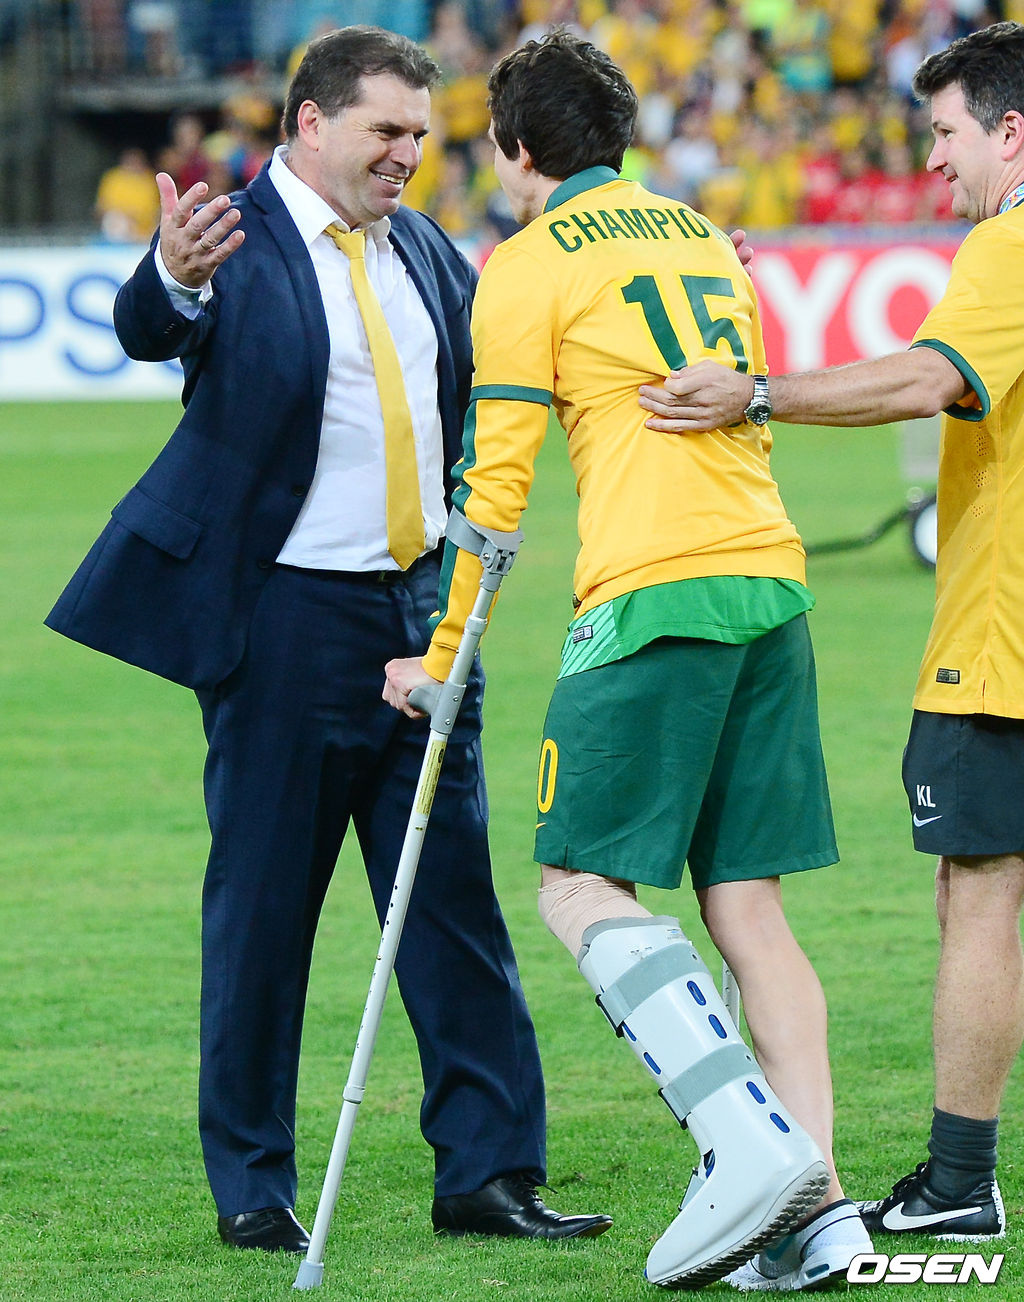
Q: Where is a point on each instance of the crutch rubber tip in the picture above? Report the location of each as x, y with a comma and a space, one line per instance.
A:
311, 1275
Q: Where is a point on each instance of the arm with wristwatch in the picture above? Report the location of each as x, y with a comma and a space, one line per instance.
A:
901, 386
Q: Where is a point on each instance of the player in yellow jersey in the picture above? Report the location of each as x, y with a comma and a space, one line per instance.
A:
683, 727
964, 764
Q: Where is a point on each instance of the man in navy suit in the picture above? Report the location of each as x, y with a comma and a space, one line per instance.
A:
253, 563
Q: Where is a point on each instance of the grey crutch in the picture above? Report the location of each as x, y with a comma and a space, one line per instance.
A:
497, 551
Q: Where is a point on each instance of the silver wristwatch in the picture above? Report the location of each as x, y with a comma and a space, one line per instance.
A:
759, 409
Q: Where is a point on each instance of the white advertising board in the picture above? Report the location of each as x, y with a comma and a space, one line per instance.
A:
56, 335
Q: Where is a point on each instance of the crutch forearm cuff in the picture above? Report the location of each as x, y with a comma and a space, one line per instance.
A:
496, 547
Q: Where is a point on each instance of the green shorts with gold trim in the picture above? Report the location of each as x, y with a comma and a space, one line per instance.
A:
688, 752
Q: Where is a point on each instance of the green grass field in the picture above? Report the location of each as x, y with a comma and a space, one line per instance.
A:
102, 1193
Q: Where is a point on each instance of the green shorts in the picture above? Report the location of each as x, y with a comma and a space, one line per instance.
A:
688, 751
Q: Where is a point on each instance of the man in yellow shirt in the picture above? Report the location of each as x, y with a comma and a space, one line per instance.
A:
683, 726
964, 764
127, 202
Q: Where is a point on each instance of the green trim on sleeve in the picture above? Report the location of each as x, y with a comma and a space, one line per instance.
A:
970, 375
462, 490
444, 585
510, 393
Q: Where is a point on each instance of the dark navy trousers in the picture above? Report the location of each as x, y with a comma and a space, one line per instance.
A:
300, 745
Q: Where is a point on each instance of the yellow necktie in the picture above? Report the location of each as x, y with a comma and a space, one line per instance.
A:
403, 503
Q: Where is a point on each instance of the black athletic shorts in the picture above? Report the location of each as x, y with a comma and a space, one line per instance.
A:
964, 777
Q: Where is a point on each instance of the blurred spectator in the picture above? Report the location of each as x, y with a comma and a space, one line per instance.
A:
688, 159
153, 37
899, 194
184, 157
770, 160
853, 28
848, 113
656, 119
454, 207
539, 16
452, 42
245, 138
215, 37
630, 33
127, 202
461, 102
687, 60
969, 15
822, 172
734, 64
801, 48
101, 30
853, 200
723, 195
917, 29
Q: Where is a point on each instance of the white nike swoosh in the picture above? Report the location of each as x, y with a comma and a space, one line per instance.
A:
920, 822
894, 1219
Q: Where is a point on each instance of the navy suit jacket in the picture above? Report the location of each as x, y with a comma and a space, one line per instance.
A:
172, 581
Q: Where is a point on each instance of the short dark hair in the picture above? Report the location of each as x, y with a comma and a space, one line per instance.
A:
565, 99
987, 65
332, 67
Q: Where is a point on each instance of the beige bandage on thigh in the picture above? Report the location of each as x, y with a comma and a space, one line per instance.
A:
569, 902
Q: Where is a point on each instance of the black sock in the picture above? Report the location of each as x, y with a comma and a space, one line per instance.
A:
963, 1154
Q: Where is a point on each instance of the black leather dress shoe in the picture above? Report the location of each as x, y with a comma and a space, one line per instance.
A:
509, 1206
274, 1229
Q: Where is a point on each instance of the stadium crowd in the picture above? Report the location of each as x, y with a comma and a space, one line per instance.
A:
762, 113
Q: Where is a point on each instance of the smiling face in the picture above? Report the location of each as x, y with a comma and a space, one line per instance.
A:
971, 159
361, 160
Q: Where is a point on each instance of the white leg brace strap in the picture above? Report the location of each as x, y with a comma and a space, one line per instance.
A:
679, 962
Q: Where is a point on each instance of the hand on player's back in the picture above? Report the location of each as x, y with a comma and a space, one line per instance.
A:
704, 396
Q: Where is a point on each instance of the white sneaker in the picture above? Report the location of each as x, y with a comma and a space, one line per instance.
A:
819, 1252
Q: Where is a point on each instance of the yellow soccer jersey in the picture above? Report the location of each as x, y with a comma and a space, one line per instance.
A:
610, 288
974, 658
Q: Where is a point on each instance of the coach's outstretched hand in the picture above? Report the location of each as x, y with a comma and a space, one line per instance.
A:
700, 397
194, 241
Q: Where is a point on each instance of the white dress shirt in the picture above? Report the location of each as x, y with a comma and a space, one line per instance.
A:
342, 524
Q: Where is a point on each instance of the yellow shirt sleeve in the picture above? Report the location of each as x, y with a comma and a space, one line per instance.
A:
513, 351
979, 322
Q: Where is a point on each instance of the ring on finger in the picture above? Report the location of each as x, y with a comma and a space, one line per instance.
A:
206, 245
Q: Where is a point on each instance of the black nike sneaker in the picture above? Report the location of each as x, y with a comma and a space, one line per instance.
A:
914, 1208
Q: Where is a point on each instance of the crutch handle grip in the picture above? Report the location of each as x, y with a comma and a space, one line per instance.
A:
425, 698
